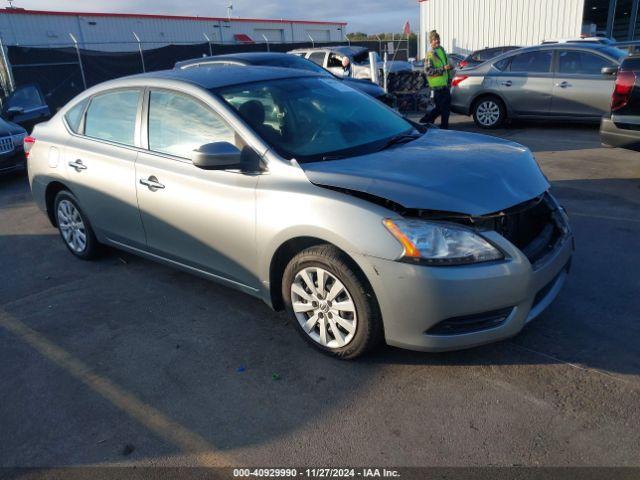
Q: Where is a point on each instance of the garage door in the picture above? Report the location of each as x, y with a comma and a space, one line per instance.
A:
320, 35
272, 34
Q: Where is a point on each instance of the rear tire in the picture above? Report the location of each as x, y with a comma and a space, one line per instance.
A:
489, 112
331, 303
74, 227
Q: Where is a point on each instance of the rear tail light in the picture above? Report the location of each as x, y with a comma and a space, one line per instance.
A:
622, 90
28, 144
463, 63
458, 79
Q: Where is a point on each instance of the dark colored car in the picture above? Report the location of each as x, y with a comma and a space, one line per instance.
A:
11, 146
621, 127
481, 56
26, 106
285, 60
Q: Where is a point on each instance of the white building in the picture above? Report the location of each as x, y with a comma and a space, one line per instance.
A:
468, 25
114, 32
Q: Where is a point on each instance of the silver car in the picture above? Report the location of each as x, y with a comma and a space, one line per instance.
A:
556, 81
299, 190
330, 58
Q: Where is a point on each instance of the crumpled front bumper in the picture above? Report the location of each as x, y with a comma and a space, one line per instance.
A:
415, 298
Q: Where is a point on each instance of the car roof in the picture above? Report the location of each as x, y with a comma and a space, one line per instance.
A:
346, 50
212, 77
248, 57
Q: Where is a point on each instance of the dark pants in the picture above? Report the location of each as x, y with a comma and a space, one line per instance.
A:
442, 99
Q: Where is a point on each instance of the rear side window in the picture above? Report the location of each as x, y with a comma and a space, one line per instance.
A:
178, 124
577, 62
631, 63
317, 58
74, 116
112, 116
532, 62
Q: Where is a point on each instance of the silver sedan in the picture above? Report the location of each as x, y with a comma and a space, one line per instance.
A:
299, 190
558, 81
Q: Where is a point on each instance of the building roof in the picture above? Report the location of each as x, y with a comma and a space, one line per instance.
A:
22, 11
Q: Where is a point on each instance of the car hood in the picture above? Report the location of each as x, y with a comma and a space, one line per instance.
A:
365, 86
443, 170
10, 128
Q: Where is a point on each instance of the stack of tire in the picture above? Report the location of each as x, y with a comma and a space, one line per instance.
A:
411, 89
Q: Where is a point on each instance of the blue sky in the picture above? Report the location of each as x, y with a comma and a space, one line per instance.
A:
370, 16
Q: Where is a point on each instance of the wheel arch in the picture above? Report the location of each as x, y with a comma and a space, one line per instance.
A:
288, 250
489, 94
53, 188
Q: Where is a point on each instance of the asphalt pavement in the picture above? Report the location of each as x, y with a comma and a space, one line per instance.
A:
123, 361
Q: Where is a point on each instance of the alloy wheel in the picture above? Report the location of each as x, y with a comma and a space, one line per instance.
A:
488, 113
323, 307
72, 227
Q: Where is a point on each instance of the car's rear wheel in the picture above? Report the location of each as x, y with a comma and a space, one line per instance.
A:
489, 112
74, 227
331, 303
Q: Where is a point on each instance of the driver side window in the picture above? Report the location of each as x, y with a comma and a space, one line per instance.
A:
178, 124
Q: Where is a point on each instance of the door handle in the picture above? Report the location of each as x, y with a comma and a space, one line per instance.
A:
152, 183
563, 84
78, 165
508, 83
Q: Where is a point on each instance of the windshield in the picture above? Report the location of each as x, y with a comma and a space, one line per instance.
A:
315, 119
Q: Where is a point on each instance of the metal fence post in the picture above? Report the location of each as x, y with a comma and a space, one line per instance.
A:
266, 40
75, 42
313, 43
209, 42
140, 49
7, 65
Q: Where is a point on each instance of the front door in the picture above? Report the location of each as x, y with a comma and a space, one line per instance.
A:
526, 82
580, 89
204, 219
100, 163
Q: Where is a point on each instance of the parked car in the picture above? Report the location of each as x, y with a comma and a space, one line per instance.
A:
312, 196
621, 127
600, 40
555, 81
26, 106
11, 146
330, 58
480, 56
288, 61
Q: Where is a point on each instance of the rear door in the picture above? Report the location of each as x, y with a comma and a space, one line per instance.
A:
526, 82
100, 160
580, 89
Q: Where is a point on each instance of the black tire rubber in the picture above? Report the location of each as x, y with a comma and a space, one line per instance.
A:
501, 107
93, 248
369, 329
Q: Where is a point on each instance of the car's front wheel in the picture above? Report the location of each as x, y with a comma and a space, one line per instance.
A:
74, 227
489, 112
331, 302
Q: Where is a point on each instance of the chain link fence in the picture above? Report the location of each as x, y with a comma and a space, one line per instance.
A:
65, 70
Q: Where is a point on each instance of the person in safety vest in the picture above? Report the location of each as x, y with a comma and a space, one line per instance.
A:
438, 73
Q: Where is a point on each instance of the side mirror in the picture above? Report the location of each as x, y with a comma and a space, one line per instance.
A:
217, 156
13, 112
609, 70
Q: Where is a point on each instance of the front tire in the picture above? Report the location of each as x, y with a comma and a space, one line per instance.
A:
331, 303
489, 113
74, 227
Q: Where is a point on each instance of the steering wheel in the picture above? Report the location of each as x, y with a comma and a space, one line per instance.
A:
318, 130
